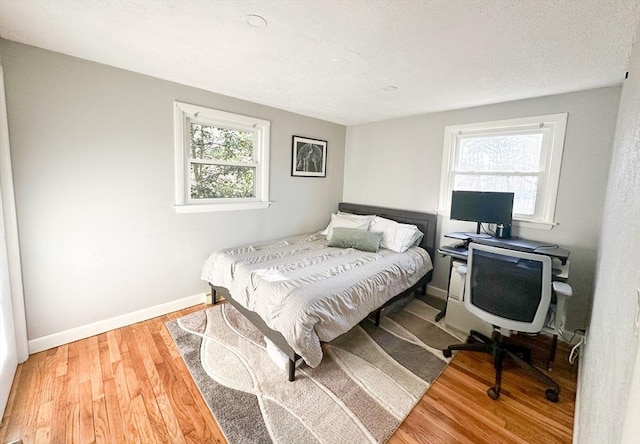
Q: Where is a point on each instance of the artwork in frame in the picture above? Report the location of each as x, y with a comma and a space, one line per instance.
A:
309, 157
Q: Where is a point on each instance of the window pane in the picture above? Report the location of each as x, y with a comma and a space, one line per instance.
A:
501, 153
524, 187
222, 181
213, 143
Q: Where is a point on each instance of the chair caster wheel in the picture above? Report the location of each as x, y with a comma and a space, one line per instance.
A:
552, 395
493, 394
446, 352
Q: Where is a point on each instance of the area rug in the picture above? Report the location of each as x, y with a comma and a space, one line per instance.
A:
369, 380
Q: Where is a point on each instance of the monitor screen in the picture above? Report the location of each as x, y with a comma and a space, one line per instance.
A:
482, 206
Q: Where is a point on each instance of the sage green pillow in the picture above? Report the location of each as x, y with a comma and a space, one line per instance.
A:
354, 238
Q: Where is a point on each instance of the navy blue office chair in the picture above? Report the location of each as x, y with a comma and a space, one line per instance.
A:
512, 291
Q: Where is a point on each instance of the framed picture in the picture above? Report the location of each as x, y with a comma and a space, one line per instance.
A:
309, 157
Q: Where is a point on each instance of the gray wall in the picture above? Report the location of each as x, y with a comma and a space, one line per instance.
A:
398, 163
607, 387
93, 155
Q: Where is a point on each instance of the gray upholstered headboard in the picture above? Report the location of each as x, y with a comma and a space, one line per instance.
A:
426, 222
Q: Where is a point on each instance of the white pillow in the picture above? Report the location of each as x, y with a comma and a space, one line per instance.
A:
345, 220
396, 236
407, 236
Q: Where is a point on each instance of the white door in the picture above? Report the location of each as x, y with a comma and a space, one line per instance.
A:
8, 348
13, 327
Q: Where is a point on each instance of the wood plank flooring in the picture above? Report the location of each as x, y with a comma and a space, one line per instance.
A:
131, 385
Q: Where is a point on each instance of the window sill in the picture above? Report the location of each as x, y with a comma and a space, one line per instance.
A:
206, 208
535, 225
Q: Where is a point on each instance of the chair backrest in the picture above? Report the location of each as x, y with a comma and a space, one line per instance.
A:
509, 289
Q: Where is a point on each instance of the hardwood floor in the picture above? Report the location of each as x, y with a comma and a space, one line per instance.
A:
456, 409
131, 385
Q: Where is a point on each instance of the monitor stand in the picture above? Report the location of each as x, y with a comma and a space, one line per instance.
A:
478, 234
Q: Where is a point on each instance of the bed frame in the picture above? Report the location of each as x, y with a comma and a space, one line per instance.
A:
426, 222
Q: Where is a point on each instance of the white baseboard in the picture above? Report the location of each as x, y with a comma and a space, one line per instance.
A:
437, 292
86, 331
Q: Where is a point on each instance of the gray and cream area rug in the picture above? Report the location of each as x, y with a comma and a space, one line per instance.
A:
369, 380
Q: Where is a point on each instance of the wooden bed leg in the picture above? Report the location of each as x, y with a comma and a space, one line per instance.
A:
378, 316
292, 367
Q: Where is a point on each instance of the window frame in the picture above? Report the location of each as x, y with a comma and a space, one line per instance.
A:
553, 128
184, 114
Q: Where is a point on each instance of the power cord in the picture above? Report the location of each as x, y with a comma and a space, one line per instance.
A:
575, 351
488, 230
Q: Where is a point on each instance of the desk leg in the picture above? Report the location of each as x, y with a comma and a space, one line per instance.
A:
444, 310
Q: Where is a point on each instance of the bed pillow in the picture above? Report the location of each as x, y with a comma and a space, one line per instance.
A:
407, 236
347, 221
355, 238
396, 236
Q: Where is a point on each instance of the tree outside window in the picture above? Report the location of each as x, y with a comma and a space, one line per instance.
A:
222, 163
222, 160
522, 156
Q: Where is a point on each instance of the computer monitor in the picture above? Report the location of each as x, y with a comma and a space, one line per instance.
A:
482, 207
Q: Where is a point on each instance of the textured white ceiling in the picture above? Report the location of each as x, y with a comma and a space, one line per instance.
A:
336, 59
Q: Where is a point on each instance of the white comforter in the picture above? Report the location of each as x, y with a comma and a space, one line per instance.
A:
310, 292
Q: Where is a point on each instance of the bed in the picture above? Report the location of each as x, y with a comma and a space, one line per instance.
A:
300, 292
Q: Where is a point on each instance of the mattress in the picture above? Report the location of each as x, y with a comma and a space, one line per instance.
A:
310, 292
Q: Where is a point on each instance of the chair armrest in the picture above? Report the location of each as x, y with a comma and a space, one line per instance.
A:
562, 288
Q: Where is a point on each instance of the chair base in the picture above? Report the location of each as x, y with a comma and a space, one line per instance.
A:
499, 349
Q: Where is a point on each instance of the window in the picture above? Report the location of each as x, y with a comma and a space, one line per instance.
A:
522, 156
222, 160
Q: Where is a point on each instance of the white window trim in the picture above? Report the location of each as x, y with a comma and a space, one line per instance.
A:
552, 156
261, 130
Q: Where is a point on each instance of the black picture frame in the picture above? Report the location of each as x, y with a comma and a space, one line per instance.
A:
308, 157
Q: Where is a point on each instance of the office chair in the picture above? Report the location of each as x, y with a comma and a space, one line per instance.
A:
512, 291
